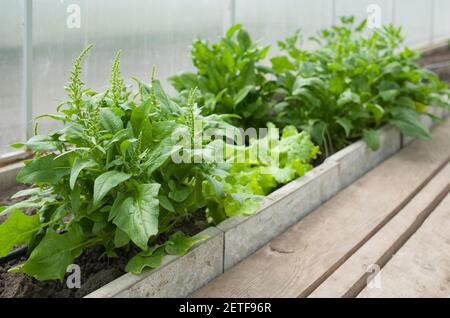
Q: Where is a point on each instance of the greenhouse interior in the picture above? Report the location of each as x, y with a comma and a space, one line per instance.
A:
225, 149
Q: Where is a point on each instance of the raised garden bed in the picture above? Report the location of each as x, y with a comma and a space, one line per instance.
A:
232, 240
228, 243
235, 238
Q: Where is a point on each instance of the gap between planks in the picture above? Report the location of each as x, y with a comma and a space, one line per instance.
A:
421, 268
352, 276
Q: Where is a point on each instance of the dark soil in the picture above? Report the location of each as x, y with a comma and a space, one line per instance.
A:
96, 271
438, 61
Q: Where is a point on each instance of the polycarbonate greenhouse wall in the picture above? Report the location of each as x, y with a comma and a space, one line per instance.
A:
157, 32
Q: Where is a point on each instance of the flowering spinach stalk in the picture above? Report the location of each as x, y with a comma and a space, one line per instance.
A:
107, 179
110, 178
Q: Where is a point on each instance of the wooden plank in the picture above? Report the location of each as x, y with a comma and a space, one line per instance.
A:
421, 268
352, 276
295, 263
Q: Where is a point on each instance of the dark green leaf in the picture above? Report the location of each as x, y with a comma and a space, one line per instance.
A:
50, 259
372, 138
45, 169
107, 181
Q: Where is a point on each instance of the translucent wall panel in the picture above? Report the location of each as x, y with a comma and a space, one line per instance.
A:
56, 43
12, 127
415, 18
272, 21
363, 9
156, 32
441, 20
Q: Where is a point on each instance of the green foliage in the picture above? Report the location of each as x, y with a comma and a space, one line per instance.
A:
110, 177
260, 168
130, 165
352, 84
229, 78
17, 230
107, 177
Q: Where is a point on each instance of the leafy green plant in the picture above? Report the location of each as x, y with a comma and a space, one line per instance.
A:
353, 84
229, 77
107, 179
110, 177
256, 170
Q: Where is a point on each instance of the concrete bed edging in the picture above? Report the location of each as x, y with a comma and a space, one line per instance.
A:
178, 276
8, 175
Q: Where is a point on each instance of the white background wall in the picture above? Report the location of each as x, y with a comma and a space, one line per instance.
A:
159, 32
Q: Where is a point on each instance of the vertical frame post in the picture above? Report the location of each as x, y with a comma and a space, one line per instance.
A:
393, 11
27, 75
432, 24
333, 12
230, 15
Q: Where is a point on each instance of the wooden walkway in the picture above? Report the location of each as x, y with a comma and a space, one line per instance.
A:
386, 235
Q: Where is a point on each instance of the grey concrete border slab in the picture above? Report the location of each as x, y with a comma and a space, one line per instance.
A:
176, 277
284, 207
8, 175
357, 159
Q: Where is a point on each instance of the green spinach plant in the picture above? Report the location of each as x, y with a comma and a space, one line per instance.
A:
229, 77
353, 84
109, 177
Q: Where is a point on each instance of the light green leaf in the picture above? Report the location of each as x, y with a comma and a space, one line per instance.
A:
281, 64
42, 143
17, 230
109, 121
233, 30
25, 204
389, 95
243, 92
120, 238
107, 181
180, 193
348, 97
376, 110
